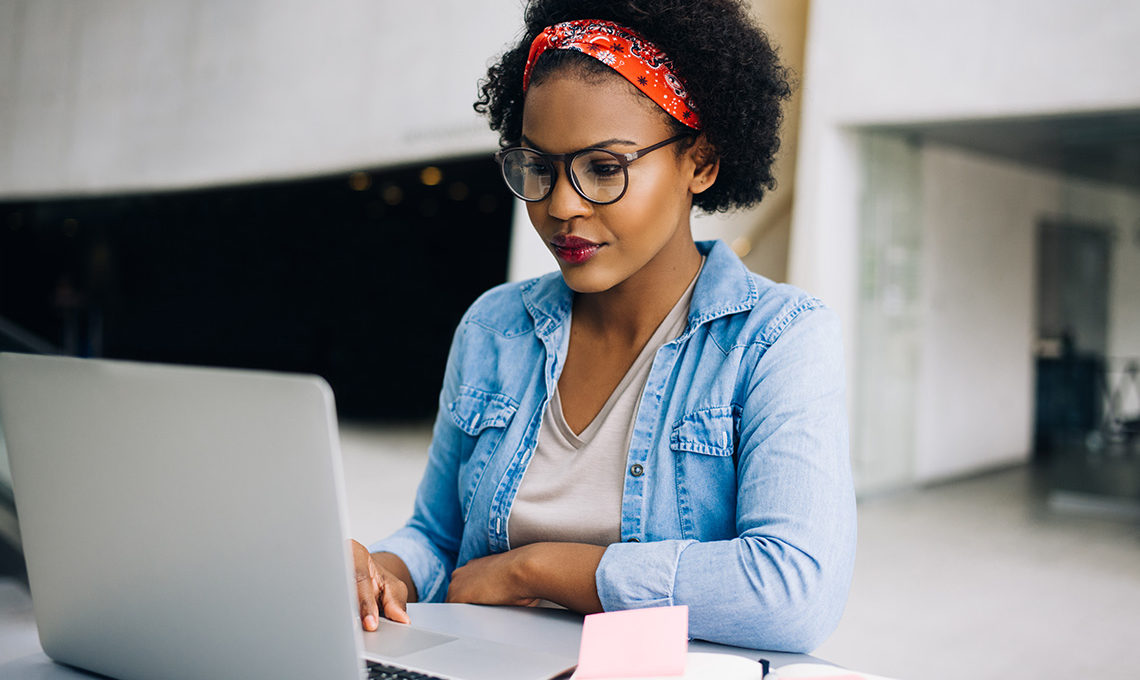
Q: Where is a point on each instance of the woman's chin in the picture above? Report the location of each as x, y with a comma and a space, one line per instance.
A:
587, 280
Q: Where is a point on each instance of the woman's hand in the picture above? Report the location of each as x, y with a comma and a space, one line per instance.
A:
378, 588
494, 579
562, 573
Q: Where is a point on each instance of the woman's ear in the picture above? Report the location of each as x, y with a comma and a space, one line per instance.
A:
706, 163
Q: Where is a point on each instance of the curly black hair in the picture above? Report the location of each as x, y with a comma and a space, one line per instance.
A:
727, 63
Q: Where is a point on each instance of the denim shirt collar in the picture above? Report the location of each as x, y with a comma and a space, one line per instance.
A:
724, 287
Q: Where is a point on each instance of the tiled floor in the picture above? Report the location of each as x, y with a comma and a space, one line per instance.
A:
974, 579
981, 579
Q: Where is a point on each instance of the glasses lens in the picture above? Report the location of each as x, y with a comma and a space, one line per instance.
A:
600, 175
528, 174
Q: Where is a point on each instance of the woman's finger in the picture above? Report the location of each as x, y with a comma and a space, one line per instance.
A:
367, 592
367, 586
394, 599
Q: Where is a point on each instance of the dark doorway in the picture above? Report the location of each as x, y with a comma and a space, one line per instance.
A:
358, 277
1072, 292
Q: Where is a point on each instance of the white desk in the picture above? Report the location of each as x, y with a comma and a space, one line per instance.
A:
22, 659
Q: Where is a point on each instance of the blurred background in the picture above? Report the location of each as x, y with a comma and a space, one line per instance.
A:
304, 187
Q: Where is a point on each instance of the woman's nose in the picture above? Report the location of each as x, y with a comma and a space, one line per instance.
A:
564, 201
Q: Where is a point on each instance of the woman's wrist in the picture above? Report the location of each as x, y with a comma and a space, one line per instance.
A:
526, 570
396, 566
533, 570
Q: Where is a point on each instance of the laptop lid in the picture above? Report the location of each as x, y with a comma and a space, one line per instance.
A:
181, 522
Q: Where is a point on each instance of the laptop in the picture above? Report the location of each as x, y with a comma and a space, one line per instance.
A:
190, 523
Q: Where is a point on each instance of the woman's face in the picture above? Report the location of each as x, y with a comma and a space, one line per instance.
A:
647, 231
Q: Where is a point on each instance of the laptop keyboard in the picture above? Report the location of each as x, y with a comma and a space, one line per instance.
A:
379, 671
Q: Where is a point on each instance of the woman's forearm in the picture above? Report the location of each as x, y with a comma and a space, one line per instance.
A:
564, 573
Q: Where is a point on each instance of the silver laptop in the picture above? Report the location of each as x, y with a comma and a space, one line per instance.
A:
190, 523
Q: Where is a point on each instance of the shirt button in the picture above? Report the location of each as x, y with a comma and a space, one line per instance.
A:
636, 470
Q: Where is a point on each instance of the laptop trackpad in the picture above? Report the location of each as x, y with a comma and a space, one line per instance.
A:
485, 660
394, 640
459, 657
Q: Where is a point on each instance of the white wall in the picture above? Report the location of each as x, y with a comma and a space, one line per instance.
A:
976, 375
899, 61
976, 379
883, 61
127, 94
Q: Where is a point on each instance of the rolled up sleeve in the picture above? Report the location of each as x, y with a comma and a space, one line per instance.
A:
638, 575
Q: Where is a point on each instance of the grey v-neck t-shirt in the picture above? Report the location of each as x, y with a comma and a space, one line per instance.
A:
572, 488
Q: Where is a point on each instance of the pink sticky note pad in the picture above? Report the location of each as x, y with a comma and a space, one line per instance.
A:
633, 643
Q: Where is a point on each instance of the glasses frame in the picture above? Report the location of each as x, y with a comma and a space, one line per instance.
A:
567, 161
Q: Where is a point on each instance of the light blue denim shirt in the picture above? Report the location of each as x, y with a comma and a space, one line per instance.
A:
738, 500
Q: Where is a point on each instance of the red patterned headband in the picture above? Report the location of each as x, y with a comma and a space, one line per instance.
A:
635, 58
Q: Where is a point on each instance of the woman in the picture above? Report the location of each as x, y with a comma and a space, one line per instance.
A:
653, 425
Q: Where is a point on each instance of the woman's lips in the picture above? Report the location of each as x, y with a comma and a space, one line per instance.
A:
574, 249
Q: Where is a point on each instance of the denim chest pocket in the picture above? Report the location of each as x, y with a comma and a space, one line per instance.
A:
475, 410
710, 432
706, 482
483, 415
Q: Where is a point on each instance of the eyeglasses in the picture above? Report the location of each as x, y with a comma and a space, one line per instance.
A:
600, 176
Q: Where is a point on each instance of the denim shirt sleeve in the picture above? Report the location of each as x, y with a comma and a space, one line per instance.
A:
429, 543
782, 582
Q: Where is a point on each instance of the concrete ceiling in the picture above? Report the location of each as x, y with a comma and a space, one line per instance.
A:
1101, 146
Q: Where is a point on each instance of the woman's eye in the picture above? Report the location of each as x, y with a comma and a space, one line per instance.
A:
601, 169
537, 168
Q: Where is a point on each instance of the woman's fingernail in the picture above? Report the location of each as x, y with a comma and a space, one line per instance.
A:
370, 622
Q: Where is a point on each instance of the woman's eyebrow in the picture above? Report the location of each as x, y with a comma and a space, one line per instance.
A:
597, 145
